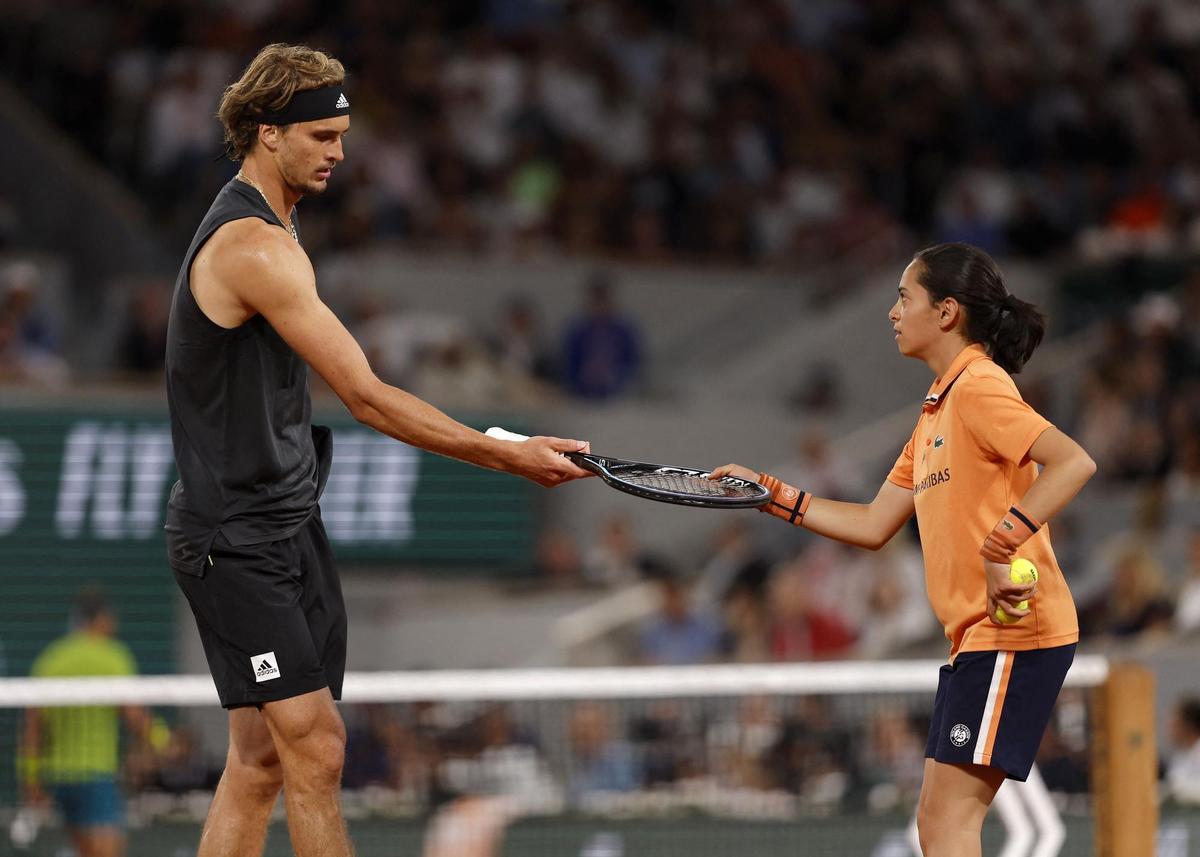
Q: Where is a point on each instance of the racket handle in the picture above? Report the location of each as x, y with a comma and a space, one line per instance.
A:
505, 434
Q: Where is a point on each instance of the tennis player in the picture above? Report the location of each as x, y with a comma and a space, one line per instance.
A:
970, 472
244, 532
73, 753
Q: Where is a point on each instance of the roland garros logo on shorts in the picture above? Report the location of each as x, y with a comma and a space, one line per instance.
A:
265, 666
960, 734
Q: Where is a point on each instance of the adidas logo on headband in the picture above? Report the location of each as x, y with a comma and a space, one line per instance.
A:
308, 105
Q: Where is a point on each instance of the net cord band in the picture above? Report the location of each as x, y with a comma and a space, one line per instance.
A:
516, 684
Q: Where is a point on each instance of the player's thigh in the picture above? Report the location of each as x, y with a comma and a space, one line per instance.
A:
957, 796
307, 729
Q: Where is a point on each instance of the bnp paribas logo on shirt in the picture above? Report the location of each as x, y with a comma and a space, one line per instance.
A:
932, 480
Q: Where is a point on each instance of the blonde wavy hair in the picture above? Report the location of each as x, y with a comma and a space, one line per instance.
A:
268, 83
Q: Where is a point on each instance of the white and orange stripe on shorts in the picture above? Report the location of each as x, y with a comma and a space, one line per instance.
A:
994, 708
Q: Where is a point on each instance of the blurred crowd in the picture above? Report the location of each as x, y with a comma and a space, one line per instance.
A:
585, 755
513, 360
30, 336
750, 603
775, 757
753, 756
1139, 414
822, 601
782, 132
777, 131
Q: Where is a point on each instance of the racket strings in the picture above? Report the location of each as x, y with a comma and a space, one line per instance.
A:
698, 486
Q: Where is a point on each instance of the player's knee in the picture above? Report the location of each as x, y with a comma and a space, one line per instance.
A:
324, 753
268, 777
257, 777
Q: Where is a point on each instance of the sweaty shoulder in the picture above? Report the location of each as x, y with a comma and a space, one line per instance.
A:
252, 245
242, 264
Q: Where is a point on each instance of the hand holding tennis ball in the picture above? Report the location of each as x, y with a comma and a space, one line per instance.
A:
1024, 572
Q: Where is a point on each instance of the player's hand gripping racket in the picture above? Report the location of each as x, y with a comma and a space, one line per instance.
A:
685, 486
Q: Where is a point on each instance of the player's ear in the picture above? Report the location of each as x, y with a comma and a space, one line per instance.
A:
270, 136
949, 314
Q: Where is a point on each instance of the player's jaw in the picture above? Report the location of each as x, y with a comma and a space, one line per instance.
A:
309, 178
906, 347
317, 180
913, 337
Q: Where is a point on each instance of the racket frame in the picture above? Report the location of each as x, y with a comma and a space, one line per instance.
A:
602, 466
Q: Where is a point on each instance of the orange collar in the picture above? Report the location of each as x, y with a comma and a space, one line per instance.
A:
941, 385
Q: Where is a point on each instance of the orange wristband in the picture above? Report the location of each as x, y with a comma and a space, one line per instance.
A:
787, 502
1012, 531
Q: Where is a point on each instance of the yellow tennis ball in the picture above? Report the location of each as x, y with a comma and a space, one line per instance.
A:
1021, 571
160, 734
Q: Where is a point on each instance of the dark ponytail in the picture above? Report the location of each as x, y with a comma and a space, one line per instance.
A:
1008, 327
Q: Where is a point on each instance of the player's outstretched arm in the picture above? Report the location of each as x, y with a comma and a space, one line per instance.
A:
868, 525
271, 275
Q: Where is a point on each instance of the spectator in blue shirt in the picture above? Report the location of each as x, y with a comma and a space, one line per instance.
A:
599, 761
677, 634
603, 356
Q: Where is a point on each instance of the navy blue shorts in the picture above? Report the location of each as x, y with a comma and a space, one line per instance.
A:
95, 803
992, 708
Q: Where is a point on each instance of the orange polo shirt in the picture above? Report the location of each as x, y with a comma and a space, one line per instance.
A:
966, 463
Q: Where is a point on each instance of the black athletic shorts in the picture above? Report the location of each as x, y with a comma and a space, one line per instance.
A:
992, 708
270, 616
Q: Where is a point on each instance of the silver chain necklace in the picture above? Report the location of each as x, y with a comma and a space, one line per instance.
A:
241, 176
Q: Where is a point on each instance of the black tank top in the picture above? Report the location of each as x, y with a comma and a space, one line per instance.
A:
251, 465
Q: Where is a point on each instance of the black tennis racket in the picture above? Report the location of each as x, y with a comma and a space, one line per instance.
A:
685, 486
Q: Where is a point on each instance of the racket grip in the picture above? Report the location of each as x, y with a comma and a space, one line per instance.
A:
505, 434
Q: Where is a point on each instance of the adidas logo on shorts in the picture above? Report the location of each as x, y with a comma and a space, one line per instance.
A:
264, 666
